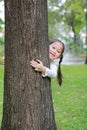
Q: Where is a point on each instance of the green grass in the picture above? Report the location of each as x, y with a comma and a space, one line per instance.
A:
1, 50
1, 89
70, 100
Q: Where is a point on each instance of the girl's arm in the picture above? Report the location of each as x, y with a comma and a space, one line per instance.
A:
46, 72
50, 72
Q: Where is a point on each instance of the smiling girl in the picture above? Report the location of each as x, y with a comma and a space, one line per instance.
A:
56, 49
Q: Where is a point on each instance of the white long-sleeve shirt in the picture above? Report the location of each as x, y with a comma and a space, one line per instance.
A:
52, 71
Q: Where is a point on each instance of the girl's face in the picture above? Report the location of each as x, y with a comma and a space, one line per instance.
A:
55, 50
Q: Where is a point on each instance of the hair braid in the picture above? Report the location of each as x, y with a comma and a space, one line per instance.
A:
59, 74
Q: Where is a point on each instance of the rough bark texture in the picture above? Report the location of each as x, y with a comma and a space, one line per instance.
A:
27, 96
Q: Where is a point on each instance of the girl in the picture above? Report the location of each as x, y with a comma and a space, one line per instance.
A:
56, 49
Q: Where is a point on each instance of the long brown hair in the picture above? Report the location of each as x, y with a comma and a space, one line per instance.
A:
59, 73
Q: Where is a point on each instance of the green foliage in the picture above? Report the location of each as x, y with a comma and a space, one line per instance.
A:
53, 3
67, 20
1, 23
74, 14
1, 41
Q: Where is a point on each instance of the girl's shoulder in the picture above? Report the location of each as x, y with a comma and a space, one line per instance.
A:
55, 62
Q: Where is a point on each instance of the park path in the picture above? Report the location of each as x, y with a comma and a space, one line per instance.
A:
70, 59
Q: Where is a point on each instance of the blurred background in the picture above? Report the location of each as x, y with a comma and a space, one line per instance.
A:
2, 43
67, 21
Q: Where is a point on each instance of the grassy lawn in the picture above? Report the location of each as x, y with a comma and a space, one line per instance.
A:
70, 103
1, 89
70, 100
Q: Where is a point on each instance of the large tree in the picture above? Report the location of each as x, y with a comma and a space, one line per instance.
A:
27, 96
70, 13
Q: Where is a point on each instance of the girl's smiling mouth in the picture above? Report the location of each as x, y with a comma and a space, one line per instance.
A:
52, 53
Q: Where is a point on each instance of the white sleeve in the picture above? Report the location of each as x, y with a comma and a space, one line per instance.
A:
50, 72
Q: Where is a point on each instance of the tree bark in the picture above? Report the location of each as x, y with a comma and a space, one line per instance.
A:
27, 95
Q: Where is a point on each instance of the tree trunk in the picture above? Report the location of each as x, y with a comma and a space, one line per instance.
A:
27, 96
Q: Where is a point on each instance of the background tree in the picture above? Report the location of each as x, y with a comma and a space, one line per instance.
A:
27, 96
74, 18
68, 17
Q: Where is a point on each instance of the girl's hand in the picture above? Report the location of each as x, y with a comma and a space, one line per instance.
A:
38, 65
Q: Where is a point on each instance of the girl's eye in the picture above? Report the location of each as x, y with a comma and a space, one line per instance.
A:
58, 51
53, 47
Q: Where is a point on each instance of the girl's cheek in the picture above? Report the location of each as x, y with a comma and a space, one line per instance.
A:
58, 55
